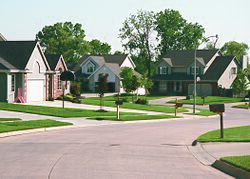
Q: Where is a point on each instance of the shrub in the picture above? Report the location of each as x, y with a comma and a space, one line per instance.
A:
141, 101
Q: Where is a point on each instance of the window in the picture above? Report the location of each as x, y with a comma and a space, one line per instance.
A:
163, 70
233, 70
192, 70
12, 82
59, 82
90, 68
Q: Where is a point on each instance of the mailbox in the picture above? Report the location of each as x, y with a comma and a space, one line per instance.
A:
203, 97
178, 105
118, 102
67, 76
217, 108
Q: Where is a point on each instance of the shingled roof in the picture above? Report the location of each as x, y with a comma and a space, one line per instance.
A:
183, 58
217, 68
16, 54
52, 60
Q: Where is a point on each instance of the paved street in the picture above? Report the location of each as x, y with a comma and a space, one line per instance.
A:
157, 149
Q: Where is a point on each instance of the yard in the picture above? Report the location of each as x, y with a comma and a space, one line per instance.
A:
210, 100
235, 134
242, 162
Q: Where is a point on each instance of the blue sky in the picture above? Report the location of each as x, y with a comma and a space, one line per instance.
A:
22, 19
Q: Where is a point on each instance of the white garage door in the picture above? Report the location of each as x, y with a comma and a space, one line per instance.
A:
35, 90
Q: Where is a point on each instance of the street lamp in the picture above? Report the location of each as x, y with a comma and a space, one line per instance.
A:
195, 75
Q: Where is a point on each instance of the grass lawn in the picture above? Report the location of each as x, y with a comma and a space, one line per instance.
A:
210, 100
235, 134
24, 125
129, 97
56, 111
204, 112
156, 108
242, 106
242, 162
135, 118
9, 119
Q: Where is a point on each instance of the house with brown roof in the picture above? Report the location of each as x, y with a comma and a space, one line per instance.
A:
25, 71
175, 72
90, 66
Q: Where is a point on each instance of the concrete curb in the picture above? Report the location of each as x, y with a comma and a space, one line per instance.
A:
206, 159
230, 169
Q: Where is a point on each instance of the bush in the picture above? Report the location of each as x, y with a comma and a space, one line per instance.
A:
141, 101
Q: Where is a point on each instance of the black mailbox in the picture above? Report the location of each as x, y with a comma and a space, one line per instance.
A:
118, 102
67, 76
217, 108
203, 97
178, 105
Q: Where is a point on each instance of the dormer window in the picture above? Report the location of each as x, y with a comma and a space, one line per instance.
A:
192, 70
90, 67
163, 70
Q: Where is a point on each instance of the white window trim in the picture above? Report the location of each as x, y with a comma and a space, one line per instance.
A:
59, 83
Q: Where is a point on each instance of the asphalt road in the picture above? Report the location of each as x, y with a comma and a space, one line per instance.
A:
149, 150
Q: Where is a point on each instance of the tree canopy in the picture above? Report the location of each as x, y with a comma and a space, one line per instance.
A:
64, 38
68, 39
175, 33
234, 48
137, 35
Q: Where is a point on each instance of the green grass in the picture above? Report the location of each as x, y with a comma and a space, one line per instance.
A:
156, 108
242, 106
205, 112
210, 100
135, 118
24, 125
9, 119
235, 134
56, 111
242, 162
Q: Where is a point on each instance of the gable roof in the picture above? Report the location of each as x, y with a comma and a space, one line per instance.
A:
183, 58
16, 53
217, 68
52, 60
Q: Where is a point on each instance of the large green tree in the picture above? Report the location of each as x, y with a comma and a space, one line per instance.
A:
99, 48
175, 33
234, 48
138, 36
64, 38
240, 84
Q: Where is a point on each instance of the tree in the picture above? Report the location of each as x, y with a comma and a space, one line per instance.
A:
99, 48
234, 48
175, 33
64, 38
137, 35
146, 83
102, 87
240, 84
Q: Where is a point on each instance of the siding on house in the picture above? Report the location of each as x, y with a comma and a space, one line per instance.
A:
3, 87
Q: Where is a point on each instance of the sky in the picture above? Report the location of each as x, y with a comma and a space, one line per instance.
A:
22, 19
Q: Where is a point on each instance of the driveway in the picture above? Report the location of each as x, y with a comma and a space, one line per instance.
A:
138, 150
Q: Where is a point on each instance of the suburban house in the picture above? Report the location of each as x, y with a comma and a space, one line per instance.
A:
175, 72
90, 66
25, 73
57, 66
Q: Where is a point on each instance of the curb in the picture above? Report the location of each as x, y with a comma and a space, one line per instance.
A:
29, 131
206, 159
230, 169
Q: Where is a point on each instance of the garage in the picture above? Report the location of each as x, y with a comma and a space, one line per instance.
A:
35, 90
201, 89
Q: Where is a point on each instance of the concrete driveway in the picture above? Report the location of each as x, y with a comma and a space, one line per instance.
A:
138, 150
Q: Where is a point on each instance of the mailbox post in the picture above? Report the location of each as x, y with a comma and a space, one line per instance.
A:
177, 105
66, 76
118, 102
203, 99
219, 109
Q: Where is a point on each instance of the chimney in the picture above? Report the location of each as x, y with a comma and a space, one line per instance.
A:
244, 61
